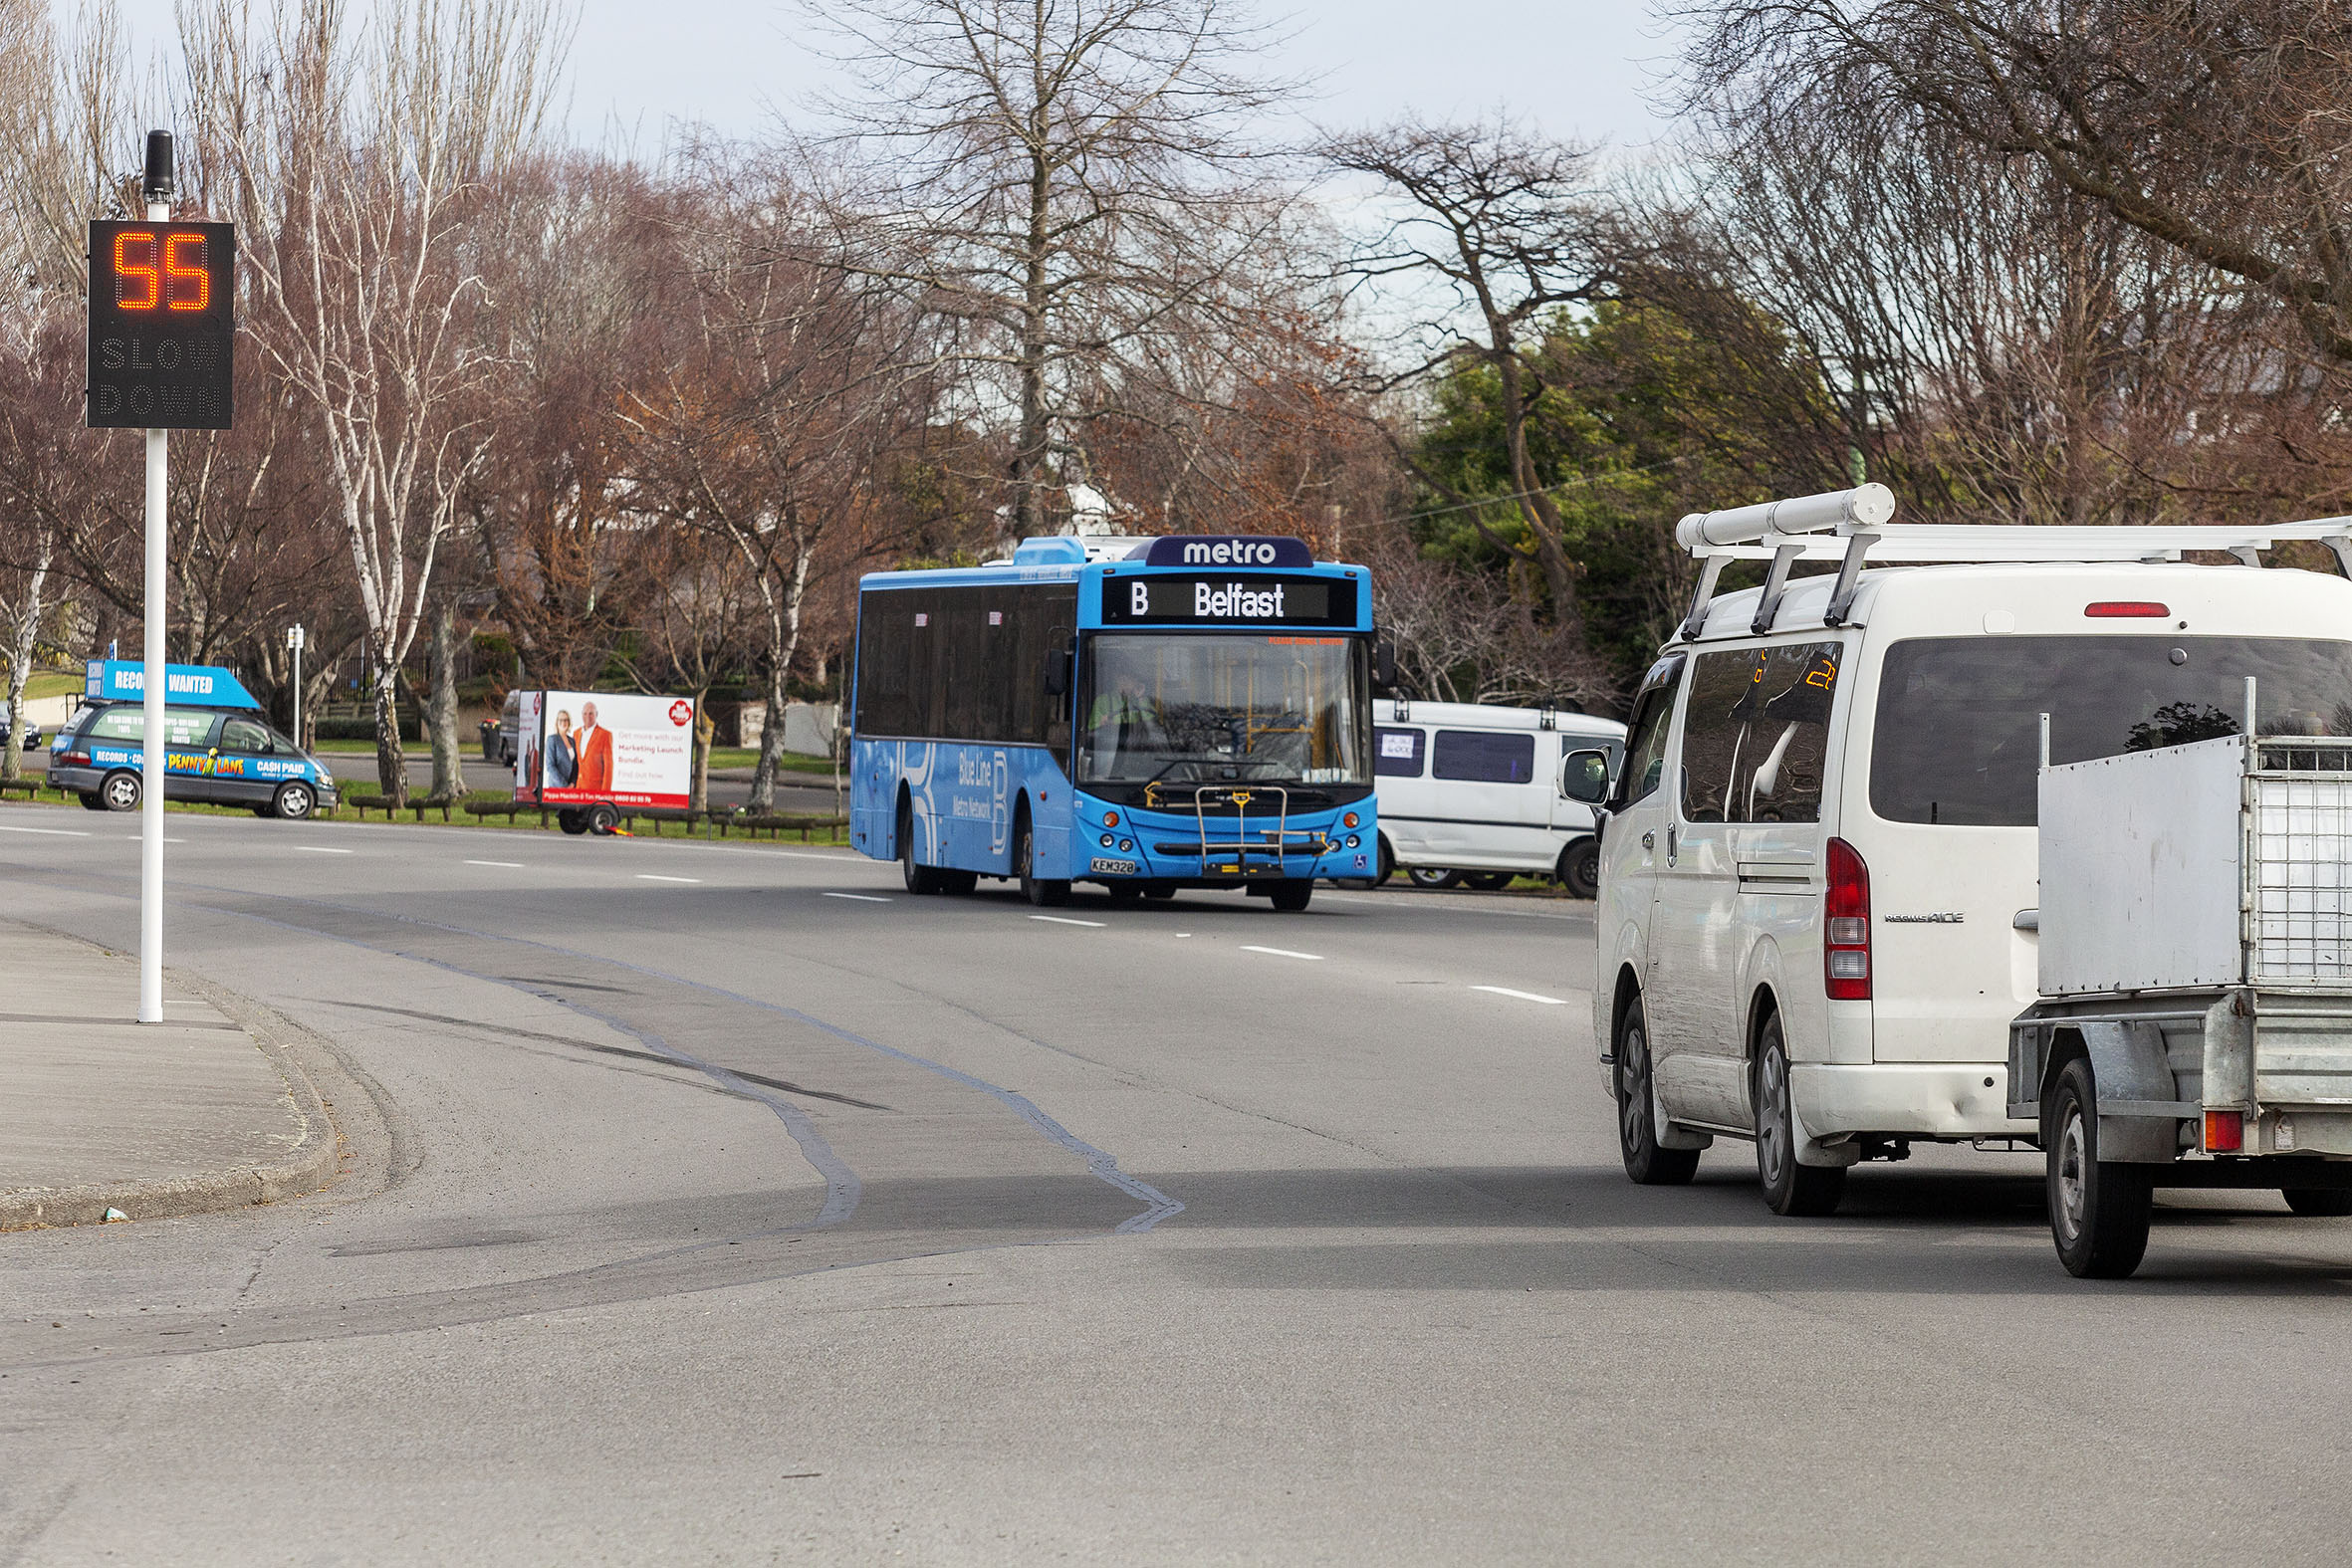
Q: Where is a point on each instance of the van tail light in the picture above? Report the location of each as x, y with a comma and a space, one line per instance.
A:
1845, 952
2224, 1132
73, 759
2126, 610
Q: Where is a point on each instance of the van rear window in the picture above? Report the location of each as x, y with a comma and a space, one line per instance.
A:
1958, 737
1396, 754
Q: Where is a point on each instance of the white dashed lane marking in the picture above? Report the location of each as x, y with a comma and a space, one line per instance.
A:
508, 865
1282, 952
1064, 920
320, 849
655, 877
862, 898
1523, 995
52, 832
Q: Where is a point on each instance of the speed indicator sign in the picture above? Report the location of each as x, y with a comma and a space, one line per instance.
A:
163, 324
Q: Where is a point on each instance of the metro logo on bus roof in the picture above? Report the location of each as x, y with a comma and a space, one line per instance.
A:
1182, 549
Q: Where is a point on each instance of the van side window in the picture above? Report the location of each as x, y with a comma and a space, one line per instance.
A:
1479, 757
1396, 754
1755, 738
243, 735
1645, 743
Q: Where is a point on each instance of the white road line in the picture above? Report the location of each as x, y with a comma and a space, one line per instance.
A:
862, 898
1064, 920
508, 865
320, 849
1282, 952
52, 832
655, 877
1523, 995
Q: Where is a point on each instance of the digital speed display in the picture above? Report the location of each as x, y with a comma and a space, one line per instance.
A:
163, 324
1229, 600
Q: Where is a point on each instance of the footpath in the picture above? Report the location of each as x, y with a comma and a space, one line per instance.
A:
103, 1117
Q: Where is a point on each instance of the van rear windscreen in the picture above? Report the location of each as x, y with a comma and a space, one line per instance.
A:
1958, 736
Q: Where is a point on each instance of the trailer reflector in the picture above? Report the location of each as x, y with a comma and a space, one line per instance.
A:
2224, 1132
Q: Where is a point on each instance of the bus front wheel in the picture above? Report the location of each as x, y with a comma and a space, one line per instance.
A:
1042, 891
1290, 896
919, 878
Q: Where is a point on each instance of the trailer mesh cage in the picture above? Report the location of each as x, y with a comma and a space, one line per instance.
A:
2302, 831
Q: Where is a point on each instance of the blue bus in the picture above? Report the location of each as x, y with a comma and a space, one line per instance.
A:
1147, 715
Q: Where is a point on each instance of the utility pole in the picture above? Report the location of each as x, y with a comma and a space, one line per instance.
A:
157, 187
162, 309
294, 641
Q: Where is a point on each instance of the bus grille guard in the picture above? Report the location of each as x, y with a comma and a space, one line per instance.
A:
1241, 854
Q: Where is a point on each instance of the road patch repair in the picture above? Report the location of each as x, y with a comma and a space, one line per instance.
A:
103, 1118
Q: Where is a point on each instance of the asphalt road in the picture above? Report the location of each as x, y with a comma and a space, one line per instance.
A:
716, 1204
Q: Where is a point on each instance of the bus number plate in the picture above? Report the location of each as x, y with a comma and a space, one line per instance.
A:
1114, 868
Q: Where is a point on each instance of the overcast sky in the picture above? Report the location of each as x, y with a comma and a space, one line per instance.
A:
1575, 67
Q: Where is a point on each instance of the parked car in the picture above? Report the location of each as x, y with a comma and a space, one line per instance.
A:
226, 752
1819, 891
499, 740
1475, 794
32, 732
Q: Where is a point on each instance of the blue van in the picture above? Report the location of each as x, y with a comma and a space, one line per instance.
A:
217, 745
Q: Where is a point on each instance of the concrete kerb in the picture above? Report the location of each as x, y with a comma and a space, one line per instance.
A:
312, 1165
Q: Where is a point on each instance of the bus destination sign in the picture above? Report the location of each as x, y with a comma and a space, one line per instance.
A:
163, 324
1224, 600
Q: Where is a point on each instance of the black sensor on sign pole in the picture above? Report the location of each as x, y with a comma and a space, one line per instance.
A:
163, 348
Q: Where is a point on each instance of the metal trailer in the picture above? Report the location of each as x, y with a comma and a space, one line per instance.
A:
2195, 952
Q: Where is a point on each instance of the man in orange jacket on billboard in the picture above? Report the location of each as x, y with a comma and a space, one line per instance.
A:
596, 753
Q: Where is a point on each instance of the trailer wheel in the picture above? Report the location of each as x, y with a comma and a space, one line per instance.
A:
1788, 1186
2319, 1203
1637, 1110
571, 821
2100, 1209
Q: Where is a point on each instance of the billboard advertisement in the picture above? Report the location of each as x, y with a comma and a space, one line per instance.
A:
579, 748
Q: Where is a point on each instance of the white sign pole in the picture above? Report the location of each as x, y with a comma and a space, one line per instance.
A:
150, 799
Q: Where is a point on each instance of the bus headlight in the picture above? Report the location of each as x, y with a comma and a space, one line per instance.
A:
1353, 841
1126, 844
1106, 840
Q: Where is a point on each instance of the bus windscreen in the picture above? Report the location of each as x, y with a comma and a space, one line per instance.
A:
1216, 708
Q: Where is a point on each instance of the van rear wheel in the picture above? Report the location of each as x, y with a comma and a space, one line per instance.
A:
1788, 1187
1433, 877
119, 792
1637, 1111
1579, 869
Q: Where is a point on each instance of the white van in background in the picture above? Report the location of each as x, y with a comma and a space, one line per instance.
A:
1472, 793
1819, 906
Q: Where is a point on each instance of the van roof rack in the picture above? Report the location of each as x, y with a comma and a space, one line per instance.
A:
1851, 526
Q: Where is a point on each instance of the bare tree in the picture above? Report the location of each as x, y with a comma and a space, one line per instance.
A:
1059, 181
353, 162
787, 383
1494, 229
2217, 129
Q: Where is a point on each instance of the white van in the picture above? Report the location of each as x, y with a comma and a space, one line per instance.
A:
1472, 792
1818, 906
